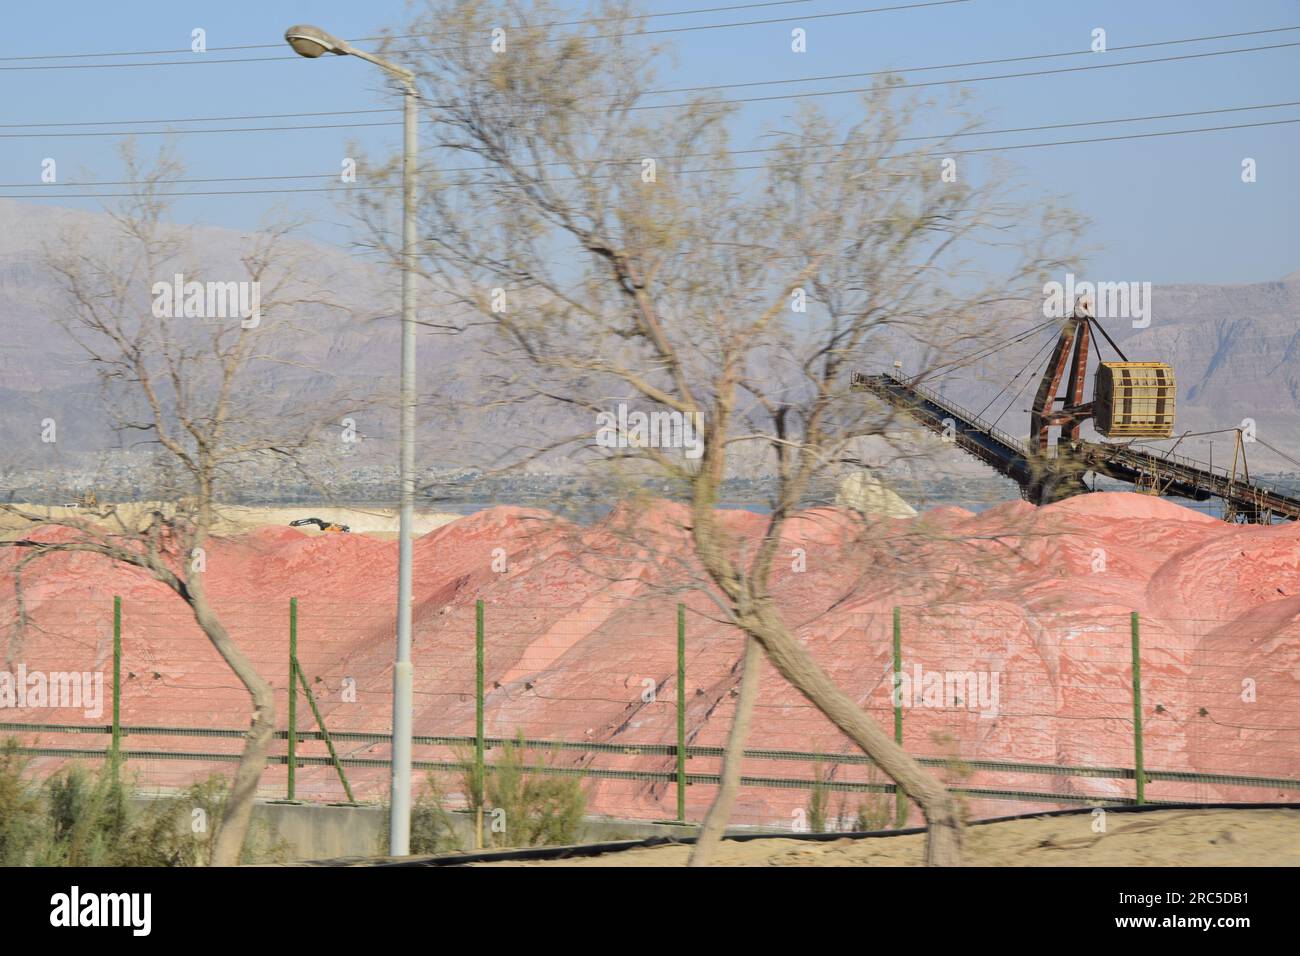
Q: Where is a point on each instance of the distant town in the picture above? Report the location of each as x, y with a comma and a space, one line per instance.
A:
122, 476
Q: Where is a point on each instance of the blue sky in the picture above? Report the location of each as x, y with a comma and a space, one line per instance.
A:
1165, 210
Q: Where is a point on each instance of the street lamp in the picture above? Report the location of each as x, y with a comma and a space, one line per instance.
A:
313, 42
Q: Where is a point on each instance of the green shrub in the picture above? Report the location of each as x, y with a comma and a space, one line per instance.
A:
20, 808
878, 810
206, 801
521, 806
79, 818
818, 800
87, 818
527, 808
432, 830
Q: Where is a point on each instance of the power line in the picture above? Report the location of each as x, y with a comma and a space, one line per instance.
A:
731, 152
663, 106
993, 62
205, 119
400, 36
197, 60
734, 152
741, 85
712, 170
190, 132
1127, 119
137, 182
973, 79
1111, 139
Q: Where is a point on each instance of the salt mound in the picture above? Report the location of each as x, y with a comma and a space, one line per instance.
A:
1128, 505
864, 492
581, 627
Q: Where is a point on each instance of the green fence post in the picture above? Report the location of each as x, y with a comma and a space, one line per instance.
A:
117, 682
479, 769
681, 713
325, 732
901, 813
1139, 768
293, 693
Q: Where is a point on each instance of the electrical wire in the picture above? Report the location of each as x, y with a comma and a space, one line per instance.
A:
714, 170
737, 152
204, 60
400, 36
813, 79
967, 63
973, 79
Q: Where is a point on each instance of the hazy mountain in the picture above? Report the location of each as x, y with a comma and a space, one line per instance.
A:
1235, 349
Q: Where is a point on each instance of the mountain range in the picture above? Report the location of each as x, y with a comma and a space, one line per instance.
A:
1235, 349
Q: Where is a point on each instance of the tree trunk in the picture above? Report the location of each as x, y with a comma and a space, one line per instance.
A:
795, 664
233, 828
715, 821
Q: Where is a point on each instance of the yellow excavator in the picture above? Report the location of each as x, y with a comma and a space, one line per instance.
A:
327, 526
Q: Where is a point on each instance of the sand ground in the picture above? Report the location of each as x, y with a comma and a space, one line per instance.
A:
1158, 838
235, 519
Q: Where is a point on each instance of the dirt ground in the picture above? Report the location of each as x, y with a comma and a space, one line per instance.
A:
1157, 838
236, 519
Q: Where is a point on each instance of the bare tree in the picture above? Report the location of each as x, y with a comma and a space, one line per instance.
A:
183, 365
622, 253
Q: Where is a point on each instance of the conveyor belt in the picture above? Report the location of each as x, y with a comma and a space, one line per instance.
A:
1060, 476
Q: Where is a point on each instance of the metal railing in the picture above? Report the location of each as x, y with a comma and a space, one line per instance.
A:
980, 424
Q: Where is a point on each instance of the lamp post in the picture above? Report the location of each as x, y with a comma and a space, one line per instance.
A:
313, 42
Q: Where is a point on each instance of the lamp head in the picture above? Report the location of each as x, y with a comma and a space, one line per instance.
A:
311, 42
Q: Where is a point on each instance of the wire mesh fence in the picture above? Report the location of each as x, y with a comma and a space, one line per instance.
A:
1013, 711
